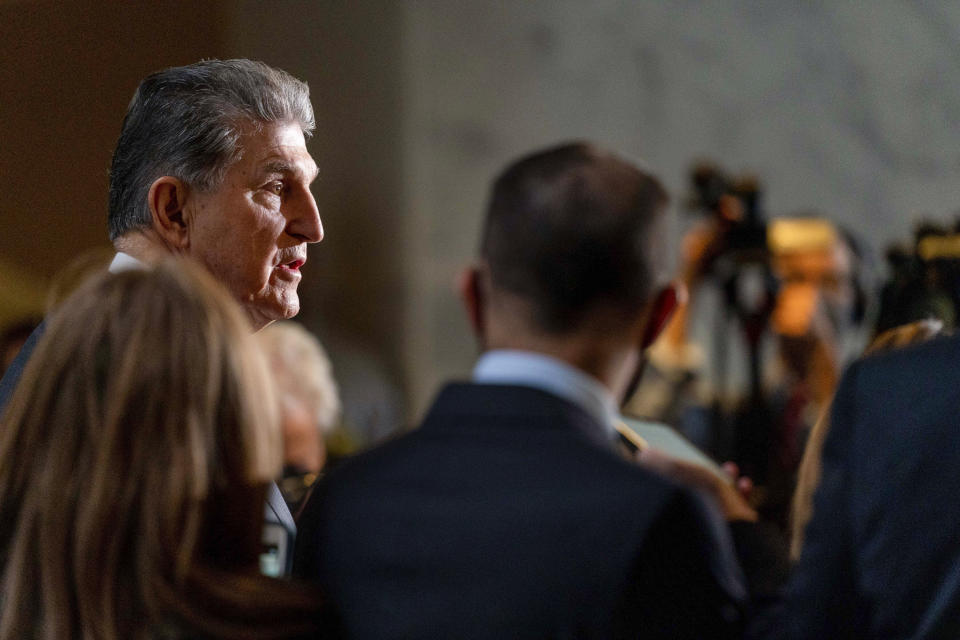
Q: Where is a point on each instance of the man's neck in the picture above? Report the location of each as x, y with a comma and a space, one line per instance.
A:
605, 347
610, 361
143, 245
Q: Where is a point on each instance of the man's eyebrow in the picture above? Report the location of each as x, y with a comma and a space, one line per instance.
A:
283, 167
277, 166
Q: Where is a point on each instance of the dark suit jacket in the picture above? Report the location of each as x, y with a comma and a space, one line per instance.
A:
507, 515
882, 552
12, 375
276, 512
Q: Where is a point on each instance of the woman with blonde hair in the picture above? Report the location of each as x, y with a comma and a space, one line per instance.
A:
134, 459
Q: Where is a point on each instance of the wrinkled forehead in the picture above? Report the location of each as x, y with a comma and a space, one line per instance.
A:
277, 147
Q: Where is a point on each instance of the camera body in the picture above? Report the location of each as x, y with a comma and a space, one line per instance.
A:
736, 205
925, 279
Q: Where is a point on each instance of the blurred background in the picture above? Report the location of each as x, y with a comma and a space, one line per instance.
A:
846, 111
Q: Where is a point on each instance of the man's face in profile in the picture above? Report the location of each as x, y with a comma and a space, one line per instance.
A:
252, 231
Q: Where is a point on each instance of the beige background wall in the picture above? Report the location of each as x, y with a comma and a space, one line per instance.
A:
67, 71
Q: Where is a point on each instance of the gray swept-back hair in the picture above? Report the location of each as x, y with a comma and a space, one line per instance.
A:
186, 122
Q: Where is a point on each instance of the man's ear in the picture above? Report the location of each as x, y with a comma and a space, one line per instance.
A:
667, 300
167, 198
470, 288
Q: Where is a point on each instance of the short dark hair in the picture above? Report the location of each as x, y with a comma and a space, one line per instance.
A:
187, 121
570, 229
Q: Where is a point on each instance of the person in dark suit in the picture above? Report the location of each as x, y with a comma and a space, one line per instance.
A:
510, 511
212, 163
881, 555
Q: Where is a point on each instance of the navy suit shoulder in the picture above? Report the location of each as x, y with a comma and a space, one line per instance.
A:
882, 552
12, 375
506, 514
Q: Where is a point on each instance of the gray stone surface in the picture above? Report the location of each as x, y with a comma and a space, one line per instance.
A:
848, 108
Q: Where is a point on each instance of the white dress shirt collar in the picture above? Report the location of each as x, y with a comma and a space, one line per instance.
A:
529, 369
124, 262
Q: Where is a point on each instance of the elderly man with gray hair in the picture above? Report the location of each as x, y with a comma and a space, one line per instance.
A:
212, 163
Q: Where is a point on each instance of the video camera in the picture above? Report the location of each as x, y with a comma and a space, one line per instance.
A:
735, 201
925, 279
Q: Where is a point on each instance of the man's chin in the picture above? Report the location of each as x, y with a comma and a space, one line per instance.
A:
263, 314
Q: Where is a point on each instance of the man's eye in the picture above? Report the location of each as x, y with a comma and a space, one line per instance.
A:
275, 187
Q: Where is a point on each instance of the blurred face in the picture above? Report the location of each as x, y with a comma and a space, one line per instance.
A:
303, 446
252, 231
815, 288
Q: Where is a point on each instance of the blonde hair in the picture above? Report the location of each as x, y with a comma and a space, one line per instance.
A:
134, 457
302, 368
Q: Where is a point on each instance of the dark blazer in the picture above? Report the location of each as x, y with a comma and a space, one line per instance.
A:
508, 515
276, 512
12, 375
881, 557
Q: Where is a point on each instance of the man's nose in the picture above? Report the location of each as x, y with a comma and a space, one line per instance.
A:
304, 218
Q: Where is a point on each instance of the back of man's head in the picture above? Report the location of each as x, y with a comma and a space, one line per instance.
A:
186, 122
572, 230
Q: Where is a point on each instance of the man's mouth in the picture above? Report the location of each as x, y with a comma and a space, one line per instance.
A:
293, 265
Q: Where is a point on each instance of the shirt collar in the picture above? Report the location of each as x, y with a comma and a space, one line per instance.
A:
529, 369
125, 262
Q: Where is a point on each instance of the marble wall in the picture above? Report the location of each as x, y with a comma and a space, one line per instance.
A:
850, 109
